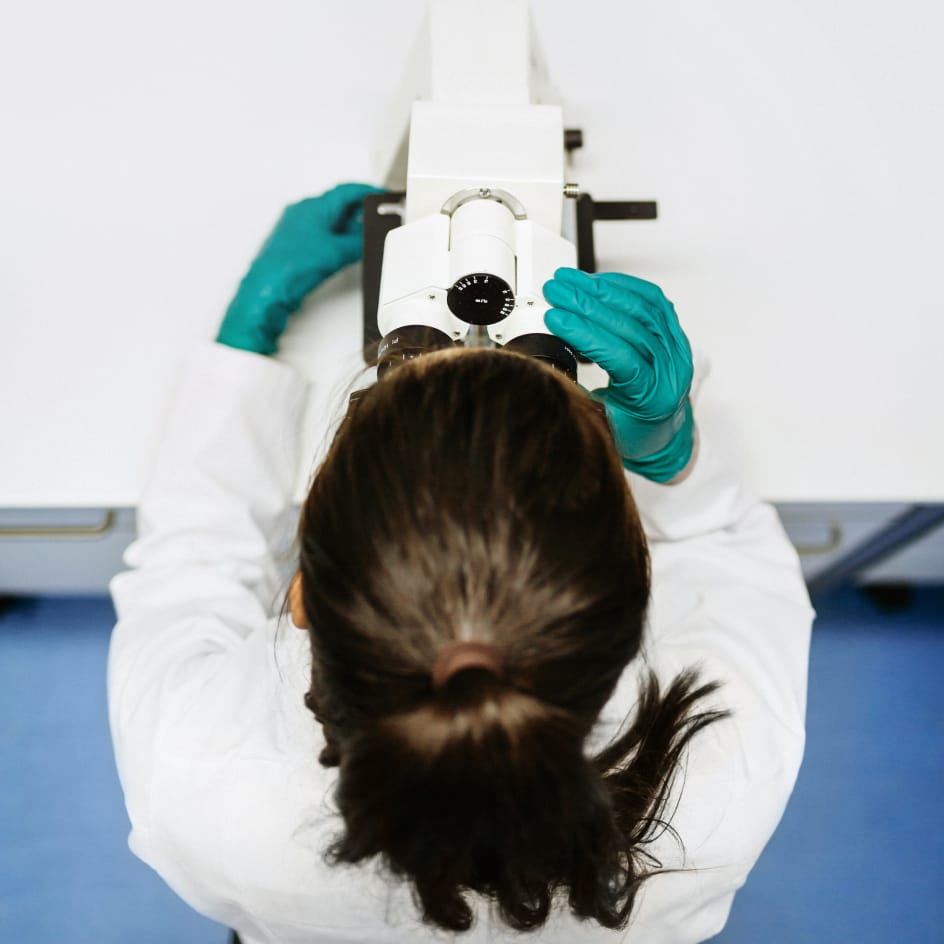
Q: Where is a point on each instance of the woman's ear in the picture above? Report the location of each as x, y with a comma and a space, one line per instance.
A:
299, 617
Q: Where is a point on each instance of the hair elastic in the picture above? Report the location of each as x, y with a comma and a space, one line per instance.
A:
465, 655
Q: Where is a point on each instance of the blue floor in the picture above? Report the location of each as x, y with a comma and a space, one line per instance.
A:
858, 858
66, 873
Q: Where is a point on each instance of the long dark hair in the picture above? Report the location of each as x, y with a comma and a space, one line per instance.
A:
479, 495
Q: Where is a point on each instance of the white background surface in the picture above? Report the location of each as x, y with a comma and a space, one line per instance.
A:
794, 148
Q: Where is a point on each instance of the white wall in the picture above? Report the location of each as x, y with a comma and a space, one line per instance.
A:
794, 147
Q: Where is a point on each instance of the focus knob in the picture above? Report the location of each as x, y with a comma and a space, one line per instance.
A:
481, 299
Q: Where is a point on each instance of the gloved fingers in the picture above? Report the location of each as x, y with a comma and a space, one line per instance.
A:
624, 362
628, 294
349, 246
634, 330
652, 293
343, 205
330, 254
669, 348
647, 290
335, 212
615, 398
620, 312
598, 282
345, 193
668, 382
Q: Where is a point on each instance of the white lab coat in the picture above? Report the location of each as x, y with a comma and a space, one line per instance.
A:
218, 755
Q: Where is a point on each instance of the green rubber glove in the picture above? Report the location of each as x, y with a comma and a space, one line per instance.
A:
313, 239
630, 329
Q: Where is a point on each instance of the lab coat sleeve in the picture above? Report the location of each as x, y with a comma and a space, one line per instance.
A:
711, 497
203, 572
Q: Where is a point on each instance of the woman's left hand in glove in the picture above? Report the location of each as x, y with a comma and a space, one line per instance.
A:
314, 239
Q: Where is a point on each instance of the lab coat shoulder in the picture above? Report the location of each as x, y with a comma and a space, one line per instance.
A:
729, 600
727, 588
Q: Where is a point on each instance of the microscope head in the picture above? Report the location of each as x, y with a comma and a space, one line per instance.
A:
471, 275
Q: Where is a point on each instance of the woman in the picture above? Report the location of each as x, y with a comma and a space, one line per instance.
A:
513, 729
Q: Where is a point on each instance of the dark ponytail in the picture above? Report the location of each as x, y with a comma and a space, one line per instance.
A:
478, 496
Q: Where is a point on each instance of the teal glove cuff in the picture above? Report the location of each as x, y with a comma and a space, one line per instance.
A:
664, 464
253, 321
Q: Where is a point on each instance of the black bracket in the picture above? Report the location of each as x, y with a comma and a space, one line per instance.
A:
377, 223
590, 211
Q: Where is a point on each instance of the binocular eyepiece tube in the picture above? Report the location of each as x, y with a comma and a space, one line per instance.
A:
411, 341
483, 247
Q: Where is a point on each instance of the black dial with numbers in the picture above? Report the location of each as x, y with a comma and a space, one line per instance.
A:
481, 299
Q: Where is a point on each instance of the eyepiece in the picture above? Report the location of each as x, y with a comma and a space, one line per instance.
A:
549, 348
407, 342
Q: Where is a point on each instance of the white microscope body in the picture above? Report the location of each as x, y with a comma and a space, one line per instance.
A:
481, 160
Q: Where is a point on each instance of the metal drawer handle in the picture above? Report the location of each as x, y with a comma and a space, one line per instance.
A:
53, 531
831, 544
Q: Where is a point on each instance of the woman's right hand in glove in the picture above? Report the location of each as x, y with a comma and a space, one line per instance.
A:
629, 328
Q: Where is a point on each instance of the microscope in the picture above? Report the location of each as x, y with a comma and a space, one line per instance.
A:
478, 215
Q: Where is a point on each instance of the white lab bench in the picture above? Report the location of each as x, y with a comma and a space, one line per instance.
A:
794, 149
